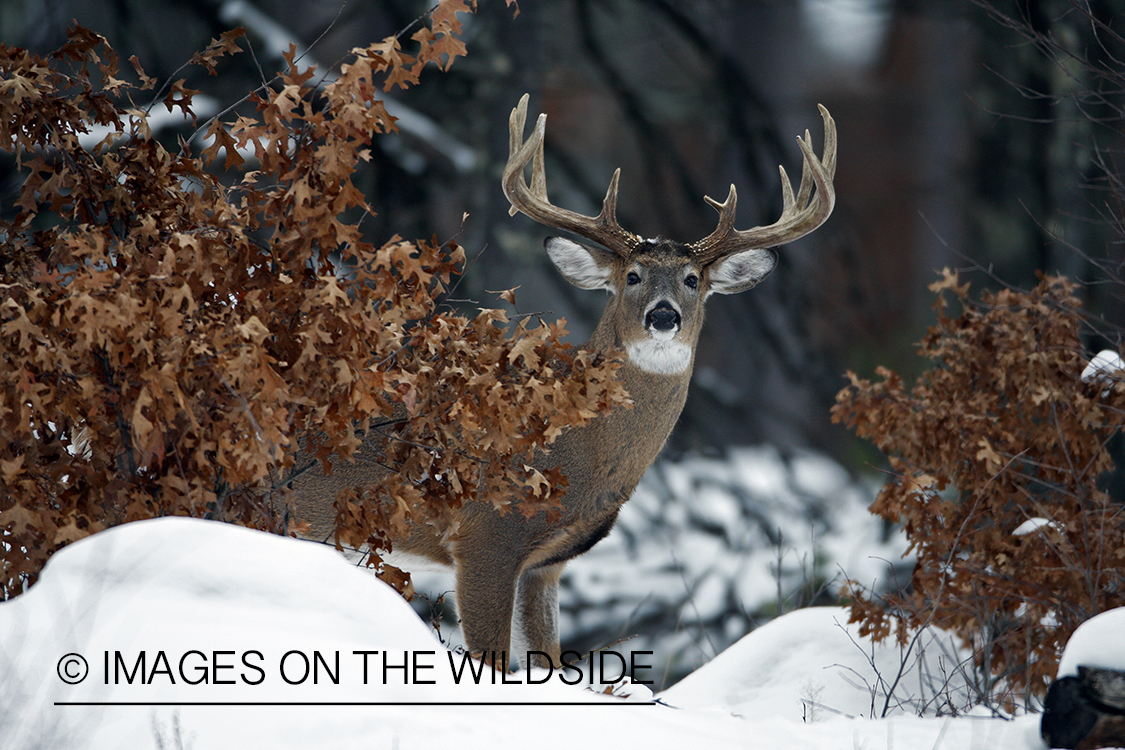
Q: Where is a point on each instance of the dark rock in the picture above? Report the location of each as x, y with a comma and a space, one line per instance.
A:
1067, 717
1085, 712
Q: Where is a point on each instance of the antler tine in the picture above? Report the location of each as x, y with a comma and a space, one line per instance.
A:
801, 213
532, 200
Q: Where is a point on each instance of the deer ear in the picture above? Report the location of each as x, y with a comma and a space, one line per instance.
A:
741, 271
584, 266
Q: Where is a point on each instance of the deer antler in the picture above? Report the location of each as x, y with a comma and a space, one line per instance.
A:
799, 215
532, 201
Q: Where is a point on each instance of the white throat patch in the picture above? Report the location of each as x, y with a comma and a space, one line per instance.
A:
659, 357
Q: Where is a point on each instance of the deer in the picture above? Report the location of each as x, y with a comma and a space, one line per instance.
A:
507, 567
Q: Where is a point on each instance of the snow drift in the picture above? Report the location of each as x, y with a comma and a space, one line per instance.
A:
252, 640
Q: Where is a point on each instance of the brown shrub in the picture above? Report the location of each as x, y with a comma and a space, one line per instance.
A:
168, 338
1000, 430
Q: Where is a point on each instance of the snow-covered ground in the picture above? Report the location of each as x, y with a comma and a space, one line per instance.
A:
227, 620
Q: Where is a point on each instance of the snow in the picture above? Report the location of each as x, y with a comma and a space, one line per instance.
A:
1098, 642
717, 545
767, 672
206, 594
1032, 525
158, 119
1105, 365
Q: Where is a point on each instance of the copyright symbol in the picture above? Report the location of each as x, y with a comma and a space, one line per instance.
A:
73, 669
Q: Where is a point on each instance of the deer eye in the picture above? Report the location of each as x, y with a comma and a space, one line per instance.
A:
632, 278
692, 281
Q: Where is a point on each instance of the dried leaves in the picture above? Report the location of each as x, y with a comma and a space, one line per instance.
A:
169, 337
1000, 430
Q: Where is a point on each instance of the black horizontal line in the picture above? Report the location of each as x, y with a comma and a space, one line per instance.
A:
353, 703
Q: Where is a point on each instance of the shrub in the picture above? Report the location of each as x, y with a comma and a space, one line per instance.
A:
997, 452
169, 338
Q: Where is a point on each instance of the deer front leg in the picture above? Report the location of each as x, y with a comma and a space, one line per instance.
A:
537, 617
486, 591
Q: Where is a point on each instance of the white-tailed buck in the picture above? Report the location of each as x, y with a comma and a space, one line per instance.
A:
507, 567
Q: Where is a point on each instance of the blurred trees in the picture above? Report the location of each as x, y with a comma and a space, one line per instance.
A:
1003, 456
1048, 133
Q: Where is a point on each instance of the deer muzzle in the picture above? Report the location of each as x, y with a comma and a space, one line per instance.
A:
662, 317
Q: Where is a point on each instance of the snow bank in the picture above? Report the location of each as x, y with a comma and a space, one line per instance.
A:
221, 613
812, 663
226, 618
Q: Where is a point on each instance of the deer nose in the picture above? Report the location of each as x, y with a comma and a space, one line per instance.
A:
662, 317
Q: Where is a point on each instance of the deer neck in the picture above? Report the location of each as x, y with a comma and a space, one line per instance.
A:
658, 400
629, 439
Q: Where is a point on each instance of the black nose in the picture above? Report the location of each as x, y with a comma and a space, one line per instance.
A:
662, 317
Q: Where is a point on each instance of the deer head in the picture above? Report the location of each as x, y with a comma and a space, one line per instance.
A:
659, 286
